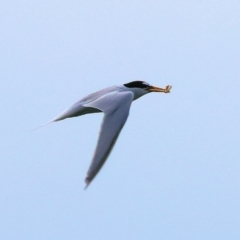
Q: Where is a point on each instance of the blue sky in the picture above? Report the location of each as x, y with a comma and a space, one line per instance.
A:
174, 172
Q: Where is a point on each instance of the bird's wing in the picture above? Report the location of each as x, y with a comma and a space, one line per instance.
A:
115, 106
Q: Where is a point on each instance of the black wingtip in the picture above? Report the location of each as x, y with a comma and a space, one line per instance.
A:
87, 181
86, 186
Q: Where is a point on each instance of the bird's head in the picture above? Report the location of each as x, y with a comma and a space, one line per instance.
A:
140, 88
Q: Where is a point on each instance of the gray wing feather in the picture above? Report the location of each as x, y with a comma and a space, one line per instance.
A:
115, 106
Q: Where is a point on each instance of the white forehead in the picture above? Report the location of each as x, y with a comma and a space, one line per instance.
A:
146, 83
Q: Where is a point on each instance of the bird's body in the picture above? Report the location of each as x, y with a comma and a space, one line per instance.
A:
115, 103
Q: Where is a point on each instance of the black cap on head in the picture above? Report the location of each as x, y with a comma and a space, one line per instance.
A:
137, 84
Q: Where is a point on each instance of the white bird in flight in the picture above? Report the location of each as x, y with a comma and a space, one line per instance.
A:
115, 103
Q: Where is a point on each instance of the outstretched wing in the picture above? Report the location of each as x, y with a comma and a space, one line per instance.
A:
115, 106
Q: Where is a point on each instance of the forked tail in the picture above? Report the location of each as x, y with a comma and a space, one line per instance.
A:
41, 126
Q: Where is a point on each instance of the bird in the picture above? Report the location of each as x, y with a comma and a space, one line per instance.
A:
115, 103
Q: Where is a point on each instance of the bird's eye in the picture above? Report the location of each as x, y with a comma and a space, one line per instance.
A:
145, 85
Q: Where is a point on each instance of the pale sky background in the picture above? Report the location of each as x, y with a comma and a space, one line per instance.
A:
174, 173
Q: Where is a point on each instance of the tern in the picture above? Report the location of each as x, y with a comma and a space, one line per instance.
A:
115, 103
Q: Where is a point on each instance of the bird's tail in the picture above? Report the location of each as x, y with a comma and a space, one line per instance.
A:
56, 119
41, 126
